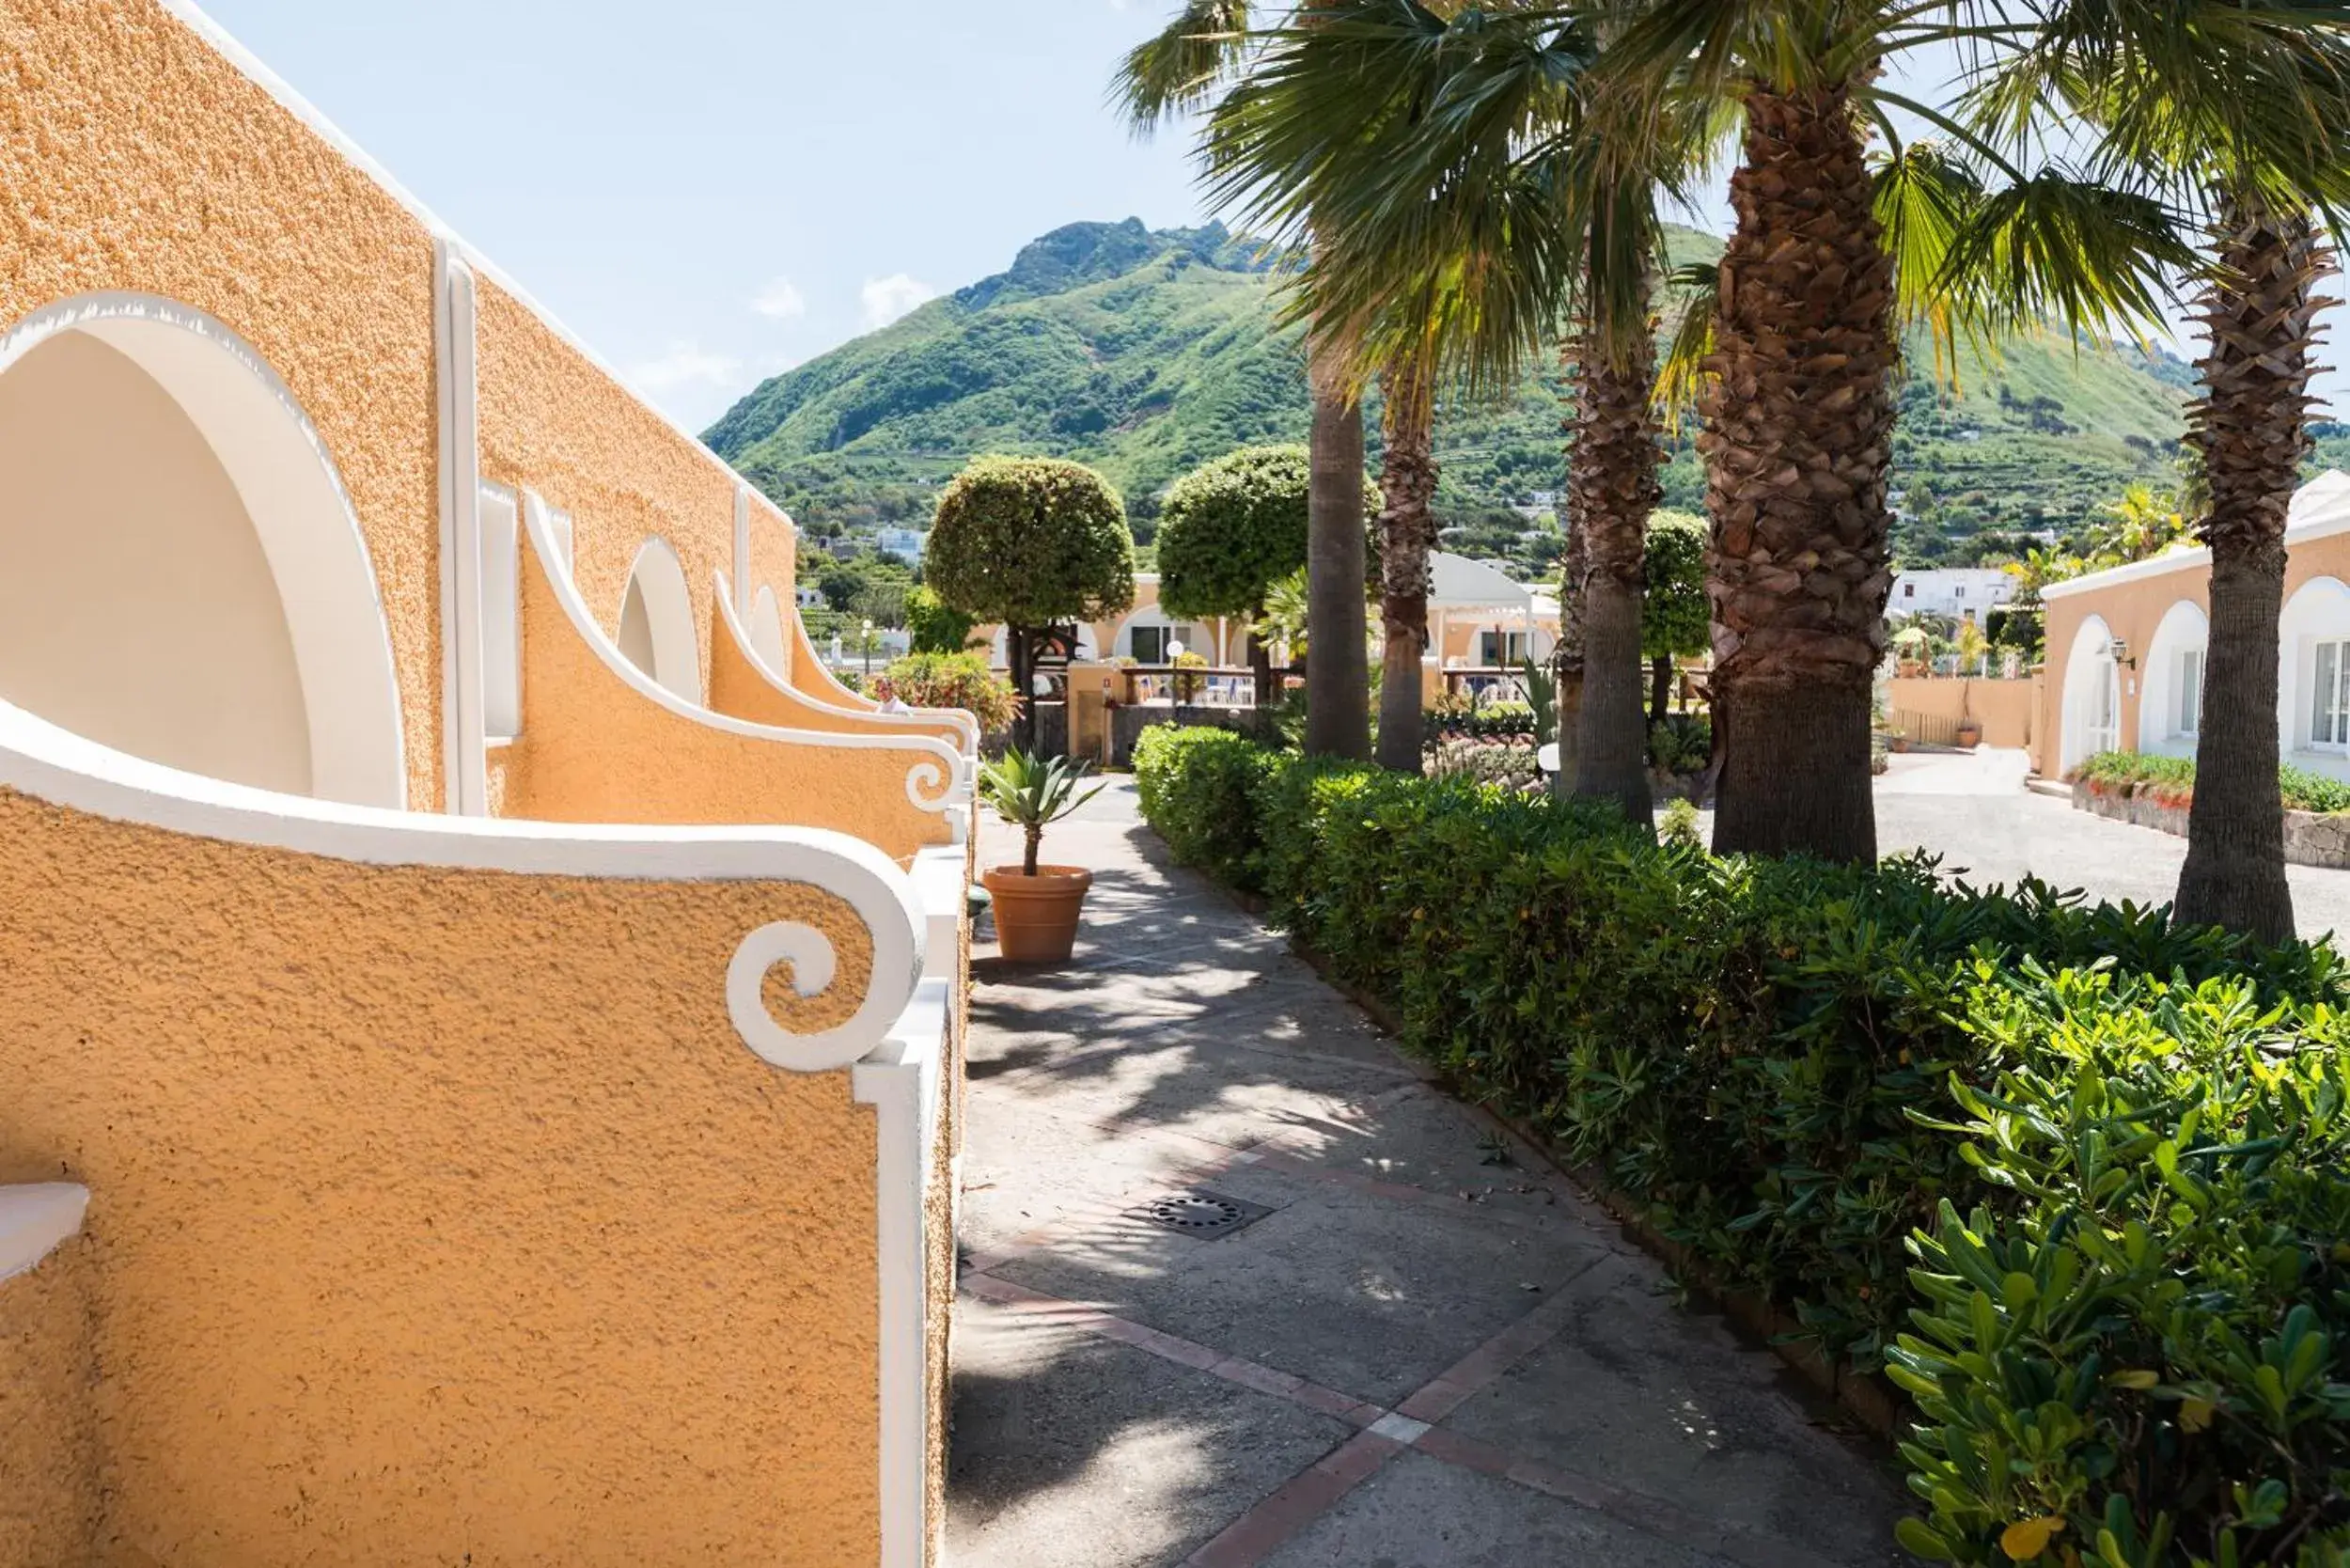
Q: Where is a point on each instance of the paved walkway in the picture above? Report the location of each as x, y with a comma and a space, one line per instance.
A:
1972, 809
1421, 1351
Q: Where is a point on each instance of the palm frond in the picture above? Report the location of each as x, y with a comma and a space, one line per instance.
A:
1178, 69
1694, 291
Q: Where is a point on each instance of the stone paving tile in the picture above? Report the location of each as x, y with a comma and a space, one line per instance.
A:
1355, 1292
1636, 1391
1077, 1451
1417, 1512
1180, 1082
1024, 1169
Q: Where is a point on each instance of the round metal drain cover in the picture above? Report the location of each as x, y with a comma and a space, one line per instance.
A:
1192, 1211
1197, 1212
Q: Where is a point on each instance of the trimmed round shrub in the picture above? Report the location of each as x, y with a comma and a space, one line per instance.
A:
1231, 529
1030, 542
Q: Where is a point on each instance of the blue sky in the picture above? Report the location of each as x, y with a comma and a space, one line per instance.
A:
712, 191
708, 190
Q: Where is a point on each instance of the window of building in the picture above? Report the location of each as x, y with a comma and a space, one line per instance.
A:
1959, 592
2329, 697
1151, 644
1909, 590
2189, 717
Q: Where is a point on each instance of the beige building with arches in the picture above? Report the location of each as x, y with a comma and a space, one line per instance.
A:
478, 1068
2125, 649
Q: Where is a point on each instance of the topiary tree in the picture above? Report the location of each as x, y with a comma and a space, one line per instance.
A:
1034, 543
1228, 531
1675, 621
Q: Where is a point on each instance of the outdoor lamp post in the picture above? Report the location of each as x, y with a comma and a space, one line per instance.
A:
869, 649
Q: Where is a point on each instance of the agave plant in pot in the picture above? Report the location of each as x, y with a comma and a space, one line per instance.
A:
1036, 906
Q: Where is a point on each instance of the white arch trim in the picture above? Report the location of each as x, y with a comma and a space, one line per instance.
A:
584, 625
2183, 629
2319, 610
766, 630
48, 764
2090, 660
293, 492
940, 780
858, 707
659, 575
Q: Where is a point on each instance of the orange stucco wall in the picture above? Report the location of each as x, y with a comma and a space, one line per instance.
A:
594, 750
441, 1217
2132, 609
2007, 709
135, 158
50, 1505
553, 421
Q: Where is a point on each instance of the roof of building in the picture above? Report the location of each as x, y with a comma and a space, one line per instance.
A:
2320, 507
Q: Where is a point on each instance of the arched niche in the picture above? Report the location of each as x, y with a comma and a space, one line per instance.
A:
185, 578
2313, 674
767, 631
2171, 682
2092, 694
657, 621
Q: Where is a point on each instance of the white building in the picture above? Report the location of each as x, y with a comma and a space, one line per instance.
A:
1961, 591
905, 543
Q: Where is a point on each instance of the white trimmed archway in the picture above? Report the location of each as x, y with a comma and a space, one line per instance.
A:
184, 577
2171, 682
2313, 644
657, 621
2092, 695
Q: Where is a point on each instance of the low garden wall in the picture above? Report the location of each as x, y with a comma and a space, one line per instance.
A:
2004, 709
2003, 1146
2163, 802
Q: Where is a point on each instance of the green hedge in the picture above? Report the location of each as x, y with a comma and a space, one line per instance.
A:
1808, 1073
2173, 778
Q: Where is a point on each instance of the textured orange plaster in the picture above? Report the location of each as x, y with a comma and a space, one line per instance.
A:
135, 158
555, 422
593, 749
440, 1215
49, 1500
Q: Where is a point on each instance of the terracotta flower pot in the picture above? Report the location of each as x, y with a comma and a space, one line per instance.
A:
1969, 734
1036, 916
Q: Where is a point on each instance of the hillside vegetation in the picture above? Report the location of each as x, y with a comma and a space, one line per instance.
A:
1145, 352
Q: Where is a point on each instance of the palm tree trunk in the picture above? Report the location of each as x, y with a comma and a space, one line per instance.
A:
1566, 658
1338, 676
1611, 488
2250, 429
1660, 687
1798, 423
1407, 481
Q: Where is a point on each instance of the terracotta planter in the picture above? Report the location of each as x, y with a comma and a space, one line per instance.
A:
1970, 734
1036, 916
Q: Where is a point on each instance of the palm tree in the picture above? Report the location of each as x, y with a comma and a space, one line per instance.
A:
1407, 531
1835, 250
2247, 109
1204, 52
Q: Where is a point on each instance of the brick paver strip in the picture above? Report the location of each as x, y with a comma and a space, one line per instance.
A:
1247, 1540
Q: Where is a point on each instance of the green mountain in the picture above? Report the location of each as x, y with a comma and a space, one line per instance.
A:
1146, 351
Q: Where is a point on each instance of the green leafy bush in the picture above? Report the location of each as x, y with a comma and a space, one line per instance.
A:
1805, 1071
1197, 787
2140, 1358
2171, 779
950, 680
